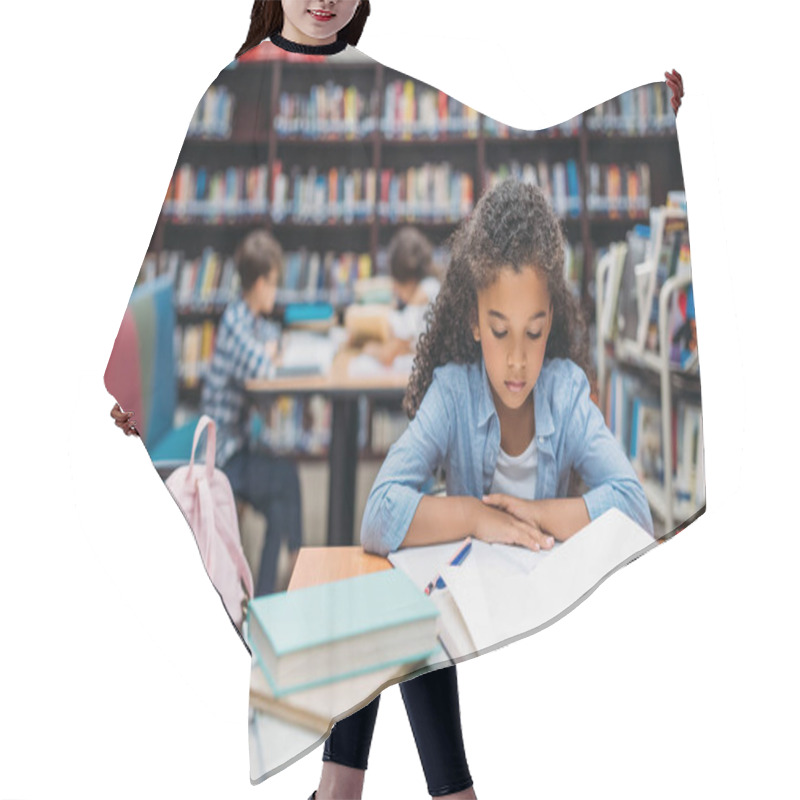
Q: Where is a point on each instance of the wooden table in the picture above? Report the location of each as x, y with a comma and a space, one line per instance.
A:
344, 391
317, 565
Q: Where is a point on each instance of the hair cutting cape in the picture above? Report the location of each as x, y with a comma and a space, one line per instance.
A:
332, 154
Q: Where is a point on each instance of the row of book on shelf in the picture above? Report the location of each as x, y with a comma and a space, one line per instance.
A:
643, 110
430, 192
213, 117
638, 270
633, 413
412, 110
210, 281
195, 192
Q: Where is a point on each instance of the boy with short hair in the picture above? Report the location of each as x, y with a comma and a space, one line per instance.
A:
415, 285
245, 348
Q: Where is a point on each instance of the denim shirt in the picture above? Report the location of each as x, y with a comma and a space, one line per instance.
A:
456, 426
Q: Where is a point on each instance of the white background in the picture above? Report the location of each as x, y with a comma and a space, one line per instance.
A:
119, 675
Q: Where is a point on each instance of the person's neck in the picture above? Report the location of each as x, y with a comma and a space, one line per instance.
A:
517, 426
294, 41
252, 303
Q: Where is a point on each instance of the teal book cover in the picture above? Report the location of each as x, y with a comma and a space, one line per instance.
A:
332, 612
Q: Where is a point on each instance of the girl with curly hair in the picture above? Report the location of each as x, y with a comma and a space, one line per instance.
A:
500, 398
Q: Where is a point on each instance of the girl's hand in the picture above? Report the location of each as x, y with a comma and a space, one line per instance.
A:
124, 420
675, 82
522, 510
494, 524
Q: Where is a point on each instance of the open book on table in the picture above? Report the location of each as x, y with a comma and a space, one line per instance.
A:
500, 592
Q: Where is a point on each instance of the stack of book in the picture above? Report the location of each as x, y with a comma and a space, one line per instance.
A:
333, 633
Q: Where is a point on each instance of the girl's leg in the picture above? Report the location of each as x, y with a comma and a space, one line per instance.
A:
346, 753
435, 716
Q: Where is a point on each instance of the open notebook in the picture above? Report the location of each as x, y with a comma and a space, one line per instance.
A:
500, 592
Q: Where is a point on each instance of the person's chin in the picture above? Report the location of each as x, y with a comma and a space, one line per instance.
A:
515, 400
318, 31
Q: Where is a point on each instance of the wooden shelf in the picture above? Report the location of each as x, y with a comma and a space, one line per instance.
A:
625, 138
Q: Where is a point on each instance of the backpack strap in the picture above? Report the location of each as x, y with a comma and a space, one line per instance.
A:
234, 548
211, 445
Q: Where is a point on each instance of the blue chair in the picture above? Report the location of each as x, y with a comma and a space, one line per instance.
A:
141, 374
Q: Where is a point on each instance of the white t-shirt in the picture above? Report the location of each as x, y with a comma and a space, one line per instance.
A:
409, 323
516, 475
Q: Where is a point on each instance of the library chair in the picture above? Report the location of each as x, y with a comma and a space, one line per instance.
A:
142, 375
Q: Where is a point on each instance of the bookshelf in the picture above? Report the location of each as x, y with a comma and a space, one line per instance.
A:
332, 165
643, 374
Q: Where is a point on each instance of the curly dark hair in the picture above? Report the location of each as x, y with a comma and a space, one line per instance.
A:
512, 225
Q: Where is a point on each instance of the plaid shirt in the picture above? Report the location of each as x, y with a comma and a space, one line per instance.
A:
239, 355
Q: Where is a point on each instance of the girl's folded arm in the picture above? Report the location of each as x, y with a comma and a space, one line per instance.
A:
601, 462
411, 461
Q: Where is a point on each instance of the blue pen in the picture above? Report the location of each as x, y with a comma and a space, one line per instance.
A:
458, 558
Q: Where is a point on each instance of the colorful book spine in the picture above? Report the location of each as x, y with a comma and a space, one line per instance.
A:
415, 111
194, 194
427, 193
338, 194
644, 110
618, 190
213, 117
326, 111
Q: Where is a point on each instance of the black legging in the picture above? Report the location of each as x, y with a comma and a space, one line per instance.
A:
432, 706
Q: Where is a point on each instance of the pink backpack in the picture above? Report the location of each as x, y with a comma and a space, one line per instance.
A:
206, 499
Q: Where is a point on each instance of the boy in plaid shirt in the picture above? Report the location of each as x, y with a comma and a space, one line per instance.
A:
246, 347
